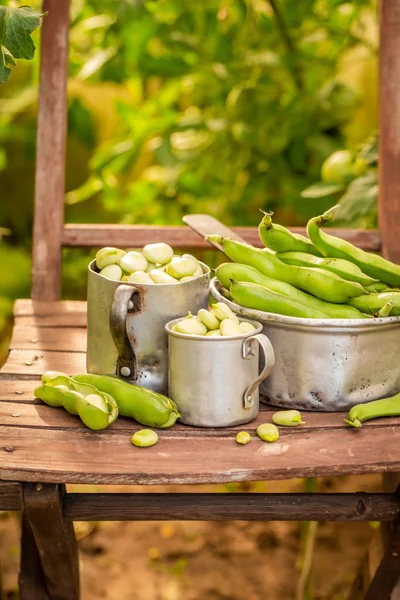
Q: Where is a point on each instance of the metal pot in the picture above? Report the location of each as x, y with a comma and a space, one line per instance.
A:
214, 380
327, 364
126, 335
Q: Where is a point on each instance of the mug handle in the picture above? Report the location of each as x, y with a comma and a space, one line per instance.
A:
127, 300
248, 348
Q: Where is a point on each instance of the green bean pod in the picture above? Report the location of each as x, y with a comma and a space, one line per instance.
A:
96, 409
244, 273
373, 265
145, 406
323, 284
386, 310
386, 407
280, 239
373, 303
259, 297
343, 268
377, 287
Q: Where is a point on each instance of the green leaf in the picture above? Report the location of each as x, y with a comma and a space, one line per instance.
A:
16, 26
321, 189
359, 200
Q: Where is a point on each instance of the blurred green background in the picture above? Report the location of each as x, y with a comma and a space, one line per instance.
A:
177, 106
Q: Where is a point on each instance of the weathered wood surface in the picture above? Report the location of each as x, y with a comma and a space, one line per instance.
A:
25, 363
18, 391
70, 339
55, 539
29, 313
225, 507
83, 456
50, 152
24, 412
40, 308
32, 582
10, 495
183, 237
389, 128
323, 446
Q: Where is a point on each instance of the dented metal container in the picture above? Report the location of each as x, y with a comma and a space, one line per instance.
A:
327, 364
126, 335
215, 380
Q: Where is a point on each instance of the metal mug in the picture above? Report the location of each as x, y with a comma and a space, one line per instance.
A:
126, 335
214, 380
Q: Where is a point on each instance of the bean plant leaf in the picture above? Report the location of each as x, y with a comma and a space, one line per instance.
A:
359, 199
16, 26
321, 189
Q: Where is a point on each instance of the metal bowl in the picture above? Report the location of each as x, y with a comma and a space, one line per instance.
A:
327, 364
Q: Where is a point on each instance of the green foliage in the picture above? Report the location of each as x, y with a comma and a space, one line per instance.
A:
235, 106
16, 26
358, 196
179, 106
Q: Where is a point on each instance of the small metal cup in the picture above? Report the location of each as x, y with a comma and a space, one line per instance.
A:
214, 380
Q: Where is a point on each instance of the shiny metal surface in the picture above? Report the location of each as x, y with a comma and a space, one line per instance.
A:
327, 364
126, 322
214, 380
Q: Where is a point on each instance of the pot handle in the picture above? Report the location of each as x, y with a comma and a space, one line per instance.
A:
248, 350
127, 300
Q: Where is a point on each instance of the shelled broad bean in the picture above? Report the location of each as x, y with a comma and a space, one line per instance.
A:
155, 264
219, 321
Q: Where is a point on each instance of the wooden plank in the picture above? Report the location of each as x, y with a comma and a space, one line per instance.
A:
182, 237
226, 507
72, 339
26, 308
18, 391
55, 539
96, 458
26, 363
32, 582
67, 320
10, 495
65, 313
50, 152
389, 128
21, 414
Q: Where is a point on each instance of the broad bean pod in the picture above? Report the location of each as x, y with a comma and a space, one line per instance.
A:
344, 268
259, 297
96, 409
329, 245
280, 239
323, 284
244, 273
386, 407
373, 303
145, 406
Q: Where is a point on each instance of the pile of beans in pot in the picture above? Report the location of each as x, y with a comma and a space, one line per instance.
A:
219, 321
155, 263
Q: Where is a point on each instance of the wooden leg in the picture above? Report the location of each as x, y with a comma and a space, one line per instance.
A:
55, 539
380, 570
32, 582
